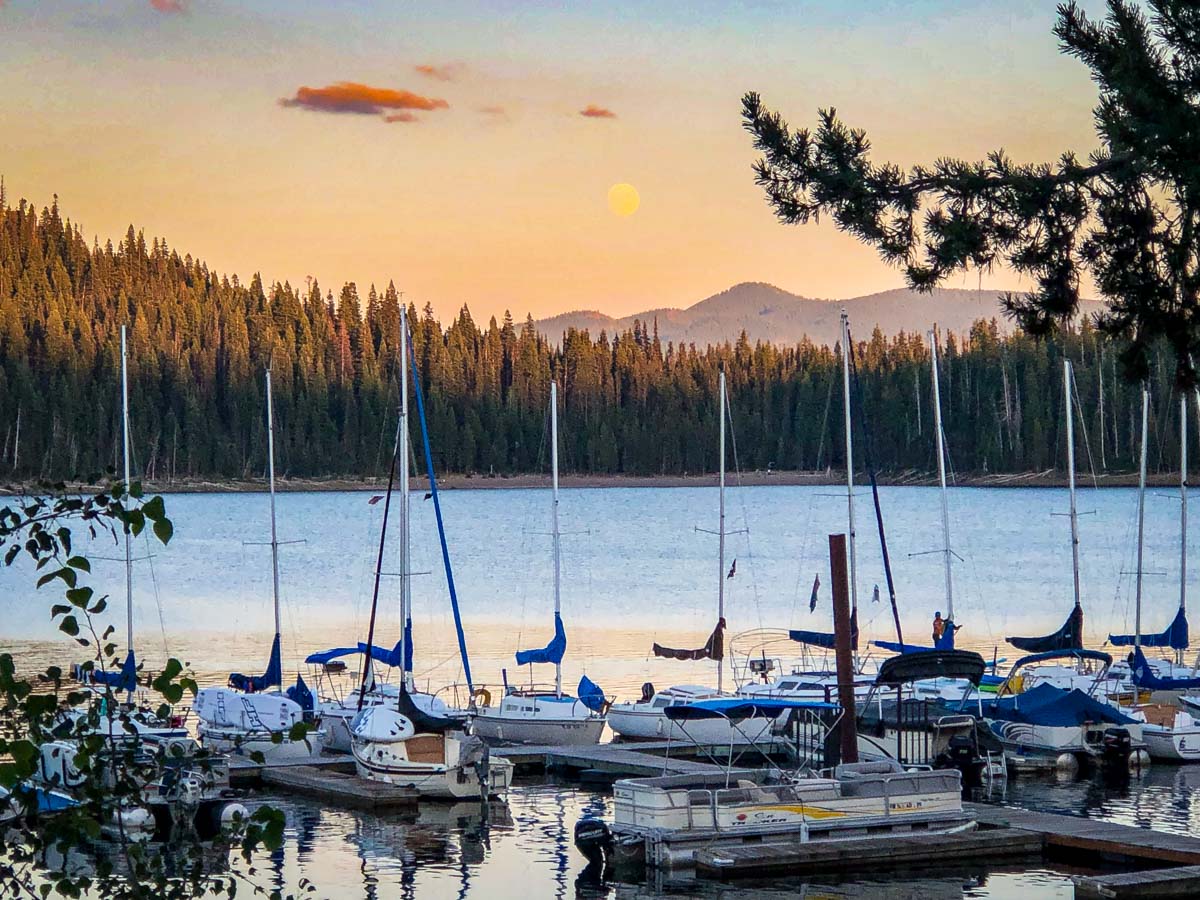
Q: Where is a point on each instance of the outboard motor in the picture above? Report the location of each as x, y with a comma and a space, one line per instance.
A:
1116, 746
963, 755
594, 841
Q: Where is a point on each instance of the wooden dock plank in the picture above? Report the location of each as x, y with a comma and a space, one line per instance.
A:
1181, 881
897, 851
618, 759
1076, 833
339, 787
245, 772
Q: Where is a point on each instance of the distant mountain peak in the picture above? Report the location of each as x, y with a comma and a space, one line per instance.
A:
767, 312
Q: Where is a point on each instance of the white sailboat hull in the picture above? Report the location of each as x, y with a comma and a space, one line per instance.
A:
1172, 744
568, 732
638, 721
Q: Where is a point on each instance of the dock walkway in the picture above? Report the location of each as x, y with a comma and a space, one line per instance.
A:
1109, 839
245, 772
339, 787
627, 760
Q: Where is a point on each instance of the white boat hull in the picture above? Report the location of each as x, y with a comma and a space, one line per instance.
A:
557, 732
628, 721
241, 743
1172, 744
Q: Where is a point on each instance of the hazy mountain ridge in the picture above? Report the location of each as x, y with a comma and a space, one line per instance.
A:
766, 312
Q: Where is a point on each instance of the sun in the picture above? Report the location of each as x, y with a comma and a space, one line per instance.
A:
623, 199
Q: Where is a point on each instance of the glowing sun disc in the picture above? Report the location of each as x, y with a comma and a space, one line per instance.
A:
623, 199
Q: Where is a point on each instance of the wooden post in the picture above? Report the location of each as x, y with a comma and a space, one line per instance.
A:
843, 647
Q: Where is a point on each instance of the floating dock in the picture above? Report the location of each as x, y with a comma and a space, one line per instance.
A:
244, 772
894, 851
1183, 881
1074, 834
339, 787
631, 760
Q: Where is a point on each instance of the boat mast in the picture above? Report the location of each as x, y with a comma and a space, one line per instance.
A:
271, 480
125, 497
405, 549
941, 455
721, 531
554, 520
1141, 514
1068, 378
1183, 522
849, 462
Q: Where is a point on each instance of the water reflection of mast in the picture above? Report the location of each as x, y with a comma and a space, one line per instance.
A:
560, 848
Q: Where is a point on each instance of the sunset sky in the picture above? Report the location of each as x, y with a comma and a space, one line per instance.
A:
467, 151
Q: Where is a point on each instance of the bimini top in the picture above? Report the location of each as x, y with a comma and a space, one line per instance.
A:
1063, 654
1052, 706
918, 664
740, 708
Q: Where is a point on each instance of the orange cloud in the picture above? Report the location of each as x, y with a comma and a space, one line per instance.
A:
448, 72
169, 6
592, 111
401, 117
361, 99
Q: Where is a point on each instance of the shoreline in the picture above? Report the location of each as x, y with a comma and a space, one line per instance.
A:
1050, 478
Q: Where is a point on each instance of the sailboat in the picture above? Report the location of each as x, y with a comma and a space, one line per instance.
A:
338, 712
538, 716
1070, 635
248, 716
134, 720
944, 640
646, 718
1170, 733
400, 743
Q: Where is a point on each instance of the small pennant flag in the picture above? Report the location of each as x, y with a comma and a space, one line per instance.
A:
732, 570
812, 599
375, 499
875, 596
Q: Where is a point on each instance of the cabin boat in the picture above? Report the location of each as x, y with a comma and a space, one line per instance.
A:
663, 821
647, 719
535, 715
398, 742
440, 762
247, 717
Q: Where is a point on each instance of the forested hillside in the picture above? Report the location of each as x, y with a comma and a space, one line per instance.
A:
632, 403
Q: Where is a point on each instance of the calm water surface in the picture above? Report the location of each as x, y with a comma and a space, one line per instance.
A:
635, 569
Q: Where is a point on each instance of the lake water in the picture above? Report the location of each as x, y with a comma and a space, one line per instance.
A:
635, 570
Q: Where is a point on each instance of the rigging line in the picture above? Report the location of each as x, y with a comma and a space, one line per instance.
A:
737, 474
162, 627
825, 419
868, 458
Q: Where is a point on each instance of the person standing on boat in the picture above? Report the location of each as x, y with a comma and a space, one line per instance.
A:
939, 626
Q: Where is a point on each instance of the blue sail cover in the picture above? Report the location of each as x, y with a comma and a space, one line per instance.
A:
124, 679
1052, 706
387, 657
299, 693
1144, 677
826, 639
552, 652
1175, 637
590, 694
1068, 637
273, 677
945, 642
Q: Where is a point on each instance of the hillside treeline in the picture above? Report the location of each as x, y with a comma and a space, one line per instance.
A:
631, 403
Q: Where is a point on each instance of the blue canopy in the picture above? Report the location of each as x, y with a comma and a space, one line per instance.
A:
590, 694
741, 708
552, 652
1175, 637
124, 679
1052, 706
1144, 677
273, 677
387, 657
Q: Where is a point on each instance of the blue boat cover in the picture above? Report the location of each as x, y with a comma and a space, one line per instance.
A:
1052, 706
1144, 677
552, 652
945, 642
299, 693
1068, 637
741, 708
590, 694
826, 639
1175, 637
124, 679
273, 677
